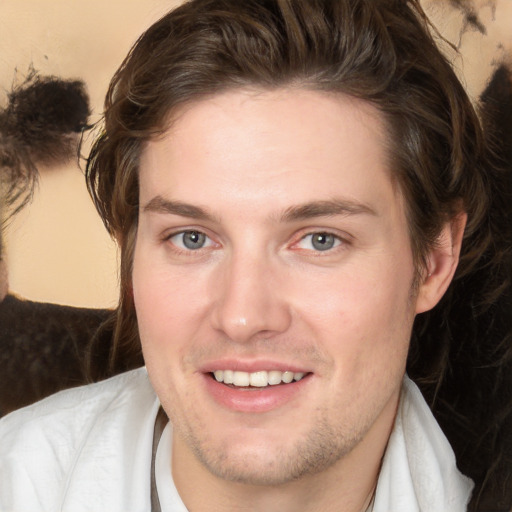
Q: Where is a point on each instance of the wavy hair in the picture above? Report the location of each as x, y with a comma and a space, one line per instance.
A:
383, 52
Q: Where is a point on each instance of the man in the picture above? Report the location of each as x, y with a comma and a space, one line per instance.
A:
290, 183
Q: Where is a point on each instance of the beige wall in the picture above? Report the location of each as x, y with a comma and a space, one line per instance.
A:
57, 248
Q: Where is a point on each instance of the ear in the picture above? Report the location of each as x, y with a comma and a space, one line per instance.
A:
442, 262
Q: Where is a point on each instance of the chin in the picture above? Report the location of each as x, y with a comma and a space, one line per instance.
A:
272, 462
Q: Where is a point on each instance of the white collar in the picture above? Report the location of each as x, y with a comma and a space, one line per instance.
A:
418, 470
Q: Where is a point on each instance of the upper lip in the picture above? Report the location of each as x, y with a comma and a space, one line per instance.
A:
251, 366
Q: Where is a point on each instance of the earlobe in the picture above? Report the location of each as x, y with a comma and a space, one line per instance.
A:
442, 262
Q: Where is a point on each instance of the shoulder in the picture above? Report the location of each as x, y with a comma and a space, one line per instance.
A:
74, 405
46, 447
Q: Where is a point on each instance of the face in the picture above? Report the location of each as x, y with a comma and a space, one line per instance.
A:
273, 280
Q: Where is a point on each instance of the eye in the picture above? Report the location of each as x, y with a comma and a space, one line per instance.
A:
319, 241
190, 240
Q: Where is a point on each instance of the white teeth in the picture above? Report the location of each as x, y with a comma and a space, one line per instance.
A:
241, 379
287, 377
256, 379
274, 377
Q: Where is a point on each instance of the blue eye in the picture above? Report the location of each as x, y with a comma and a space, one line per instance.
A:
319, 241
190, 240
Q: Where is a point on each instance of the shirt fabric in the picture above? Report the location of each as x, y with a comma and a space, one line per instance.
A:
88, 449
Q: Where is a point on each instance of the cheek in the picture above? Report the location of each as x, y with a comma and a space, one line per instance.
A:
150, 295
160, 322
356, 296
168, 305
363, 317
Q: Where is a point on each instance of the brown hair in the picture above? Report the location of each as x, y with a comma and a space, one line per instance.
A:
381, 51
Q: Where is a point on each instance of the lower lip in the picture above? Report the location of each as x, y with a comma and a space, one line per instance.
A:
254, 399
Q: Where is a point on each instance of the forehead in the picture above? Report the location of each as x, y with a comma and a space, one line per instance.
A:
292, 145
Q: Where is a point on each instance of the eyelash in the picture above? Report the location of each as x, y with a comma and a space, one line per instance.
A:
183, 248
337, 241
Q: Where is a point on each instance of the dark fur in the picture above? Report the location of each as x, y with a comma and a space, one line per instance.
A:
40, 126
43, 347
496, 101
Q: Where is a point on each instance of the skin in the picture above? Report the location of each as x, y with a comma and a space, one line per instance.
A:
259, 293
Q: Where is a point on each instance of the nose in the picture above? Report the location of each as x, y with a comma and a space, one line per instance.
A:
250, 300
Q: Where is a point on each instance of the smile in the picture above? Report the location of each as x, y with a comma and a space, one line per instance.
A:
259, 379
239, 389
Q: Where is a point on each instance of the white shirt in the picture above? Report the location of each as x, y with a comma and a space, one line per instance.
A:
88, 449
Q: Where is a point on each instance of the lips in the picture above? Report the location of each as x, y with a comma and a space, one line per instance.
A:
254, 386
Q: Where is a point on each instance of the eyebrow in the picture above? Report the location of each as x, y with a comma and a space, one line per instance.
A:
326, 209
304, 211
160, 205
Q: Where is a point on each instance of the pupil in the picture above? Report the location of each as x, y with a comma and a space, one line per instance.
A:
193, 239
323, 241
